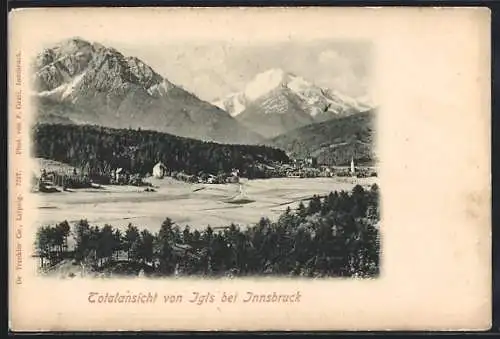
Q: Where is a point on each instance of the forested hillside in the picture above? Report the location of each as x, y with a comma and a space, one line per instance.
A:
333, 142
100, 149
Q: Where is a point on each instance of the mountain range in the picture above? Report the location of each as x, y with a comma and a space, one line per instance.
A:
276, 102
87, 83
79, 82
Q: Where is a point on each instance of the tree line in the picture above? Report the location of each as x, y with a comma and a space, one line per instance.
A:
99, 149
335, 235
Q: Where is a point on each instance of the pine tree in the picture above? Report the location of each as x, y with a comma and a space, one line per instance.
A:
301, 210
130, 241
82, 239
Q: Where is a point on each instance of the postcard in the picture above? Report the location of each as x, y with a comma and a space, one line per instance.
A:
307, 168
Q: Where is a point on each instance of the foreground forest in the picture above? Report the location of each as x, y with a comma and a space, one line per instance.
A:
336, 235
100, 149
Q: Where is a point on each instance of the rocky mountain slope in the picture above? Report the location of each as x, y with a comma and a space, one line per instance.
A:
333, 142
275, 102
87, 83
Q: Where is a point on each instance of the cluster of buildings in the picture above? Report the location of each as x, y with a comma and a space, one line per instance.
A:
160, 170
49, 181
304, 168
57, 180
309, 168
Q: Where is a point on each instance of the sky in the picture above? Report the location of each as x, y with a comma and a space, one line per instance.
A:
215, 69
215, 52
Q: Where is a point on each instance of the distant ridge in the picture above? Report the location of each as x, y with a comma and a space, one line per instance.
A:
333, 142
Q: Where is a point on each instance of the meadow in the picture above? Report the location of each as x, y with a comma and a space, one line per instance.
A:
196, 205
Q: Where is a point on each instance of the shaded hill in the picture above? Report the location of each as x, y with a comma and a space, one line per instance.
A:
333, 142
87, 83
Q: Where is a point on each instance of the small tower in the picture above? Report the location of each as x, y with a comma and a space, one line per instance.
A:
353, 169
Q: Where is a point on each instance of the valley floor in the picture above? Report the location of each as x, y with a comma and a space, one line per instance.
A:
196, 205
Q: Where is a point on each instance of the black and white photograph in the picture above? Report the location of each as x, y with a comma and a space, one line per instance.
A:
249, 169
207, 159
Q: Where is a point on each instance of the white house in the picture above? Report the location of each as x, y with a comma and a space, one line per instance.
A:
159, 170
118, 173
235, 173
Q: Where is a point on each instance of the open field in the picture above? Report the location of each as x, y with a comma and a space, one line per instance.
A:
196, 205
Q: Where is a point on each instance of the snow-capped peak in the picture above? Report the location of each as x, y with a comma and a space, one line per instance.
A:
314, 99
265, 82
234, 103
261, 85
61, 70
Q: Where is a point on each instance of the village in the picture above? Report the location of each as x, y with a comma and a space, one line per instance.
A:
50, 180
